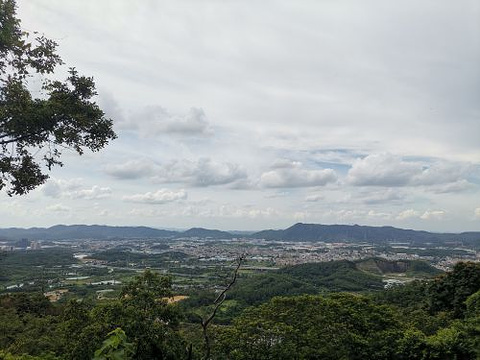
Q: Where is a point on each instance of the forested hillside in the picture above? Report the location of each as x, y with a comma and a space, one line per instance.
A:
320, 314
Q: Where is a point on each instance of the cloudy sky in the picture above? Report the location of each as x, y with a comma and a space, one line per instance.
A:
259, 114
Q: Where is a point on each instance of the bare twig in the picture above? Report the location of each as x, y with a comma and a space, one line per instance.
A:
218, 302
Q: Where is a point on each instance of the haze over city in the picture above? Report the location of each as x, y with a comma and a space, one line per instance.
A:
251, 115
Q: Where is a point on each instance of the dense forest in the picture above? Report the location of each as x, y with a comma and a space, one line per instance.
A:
312, 311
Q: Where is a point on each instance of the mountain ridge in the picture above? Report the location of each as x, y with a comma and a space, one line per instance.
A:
296, 232
363, 233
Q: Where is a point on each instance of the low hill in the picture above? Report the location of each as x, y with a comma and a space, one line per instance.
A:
411, 268
311, 278
332, 276
342, 275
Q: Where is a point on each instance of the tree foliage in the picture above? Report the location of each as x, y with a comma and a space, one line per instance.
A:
341, 326
450, 292
399, 325
35, 129
115, 347
30, 324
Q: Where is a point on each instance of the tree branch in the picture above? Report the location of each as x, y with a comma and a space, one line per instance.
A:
218, 302
15, 139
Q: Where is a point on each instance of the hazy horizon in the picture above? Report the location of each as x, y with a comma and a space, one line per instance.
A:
231, 230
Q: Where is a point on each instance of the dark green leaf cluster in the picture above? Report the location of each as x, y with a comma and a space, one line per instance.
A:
450, 292
30, 324
115, 347
339, 326
34, 129
345, 326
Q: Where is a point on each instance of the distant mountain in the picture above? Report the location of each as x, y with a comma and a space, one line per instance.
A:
101, 232
298, 232
70, 232
372, 234
206, 233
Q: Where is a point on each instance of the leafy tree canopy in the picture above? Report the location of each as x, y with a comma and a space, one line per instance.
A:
450, 291
340, 326
115, 347
34, 129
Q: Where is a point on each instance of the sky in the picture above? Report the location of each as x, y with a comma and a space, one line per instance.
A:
248, 115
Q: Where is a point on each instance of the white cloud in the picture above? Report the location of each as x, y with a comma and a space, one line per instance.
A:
433, 215
300, 216
442, 173
389, 170
132, 169
247, 212
58, 187
14, 207
96, 192
202, 173
277, 194
388, 196
290, 174
161, 196
477, 213
157, 121
111, 107
60, 208
381, 170
336, 156
72, 189
314, 198
285, 164
103, 213
379, 215
347, 214
454, 187
143, 212
408, 214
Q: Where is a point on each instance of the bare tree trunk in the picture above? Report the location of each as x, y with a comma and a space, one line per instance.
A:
218, 302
